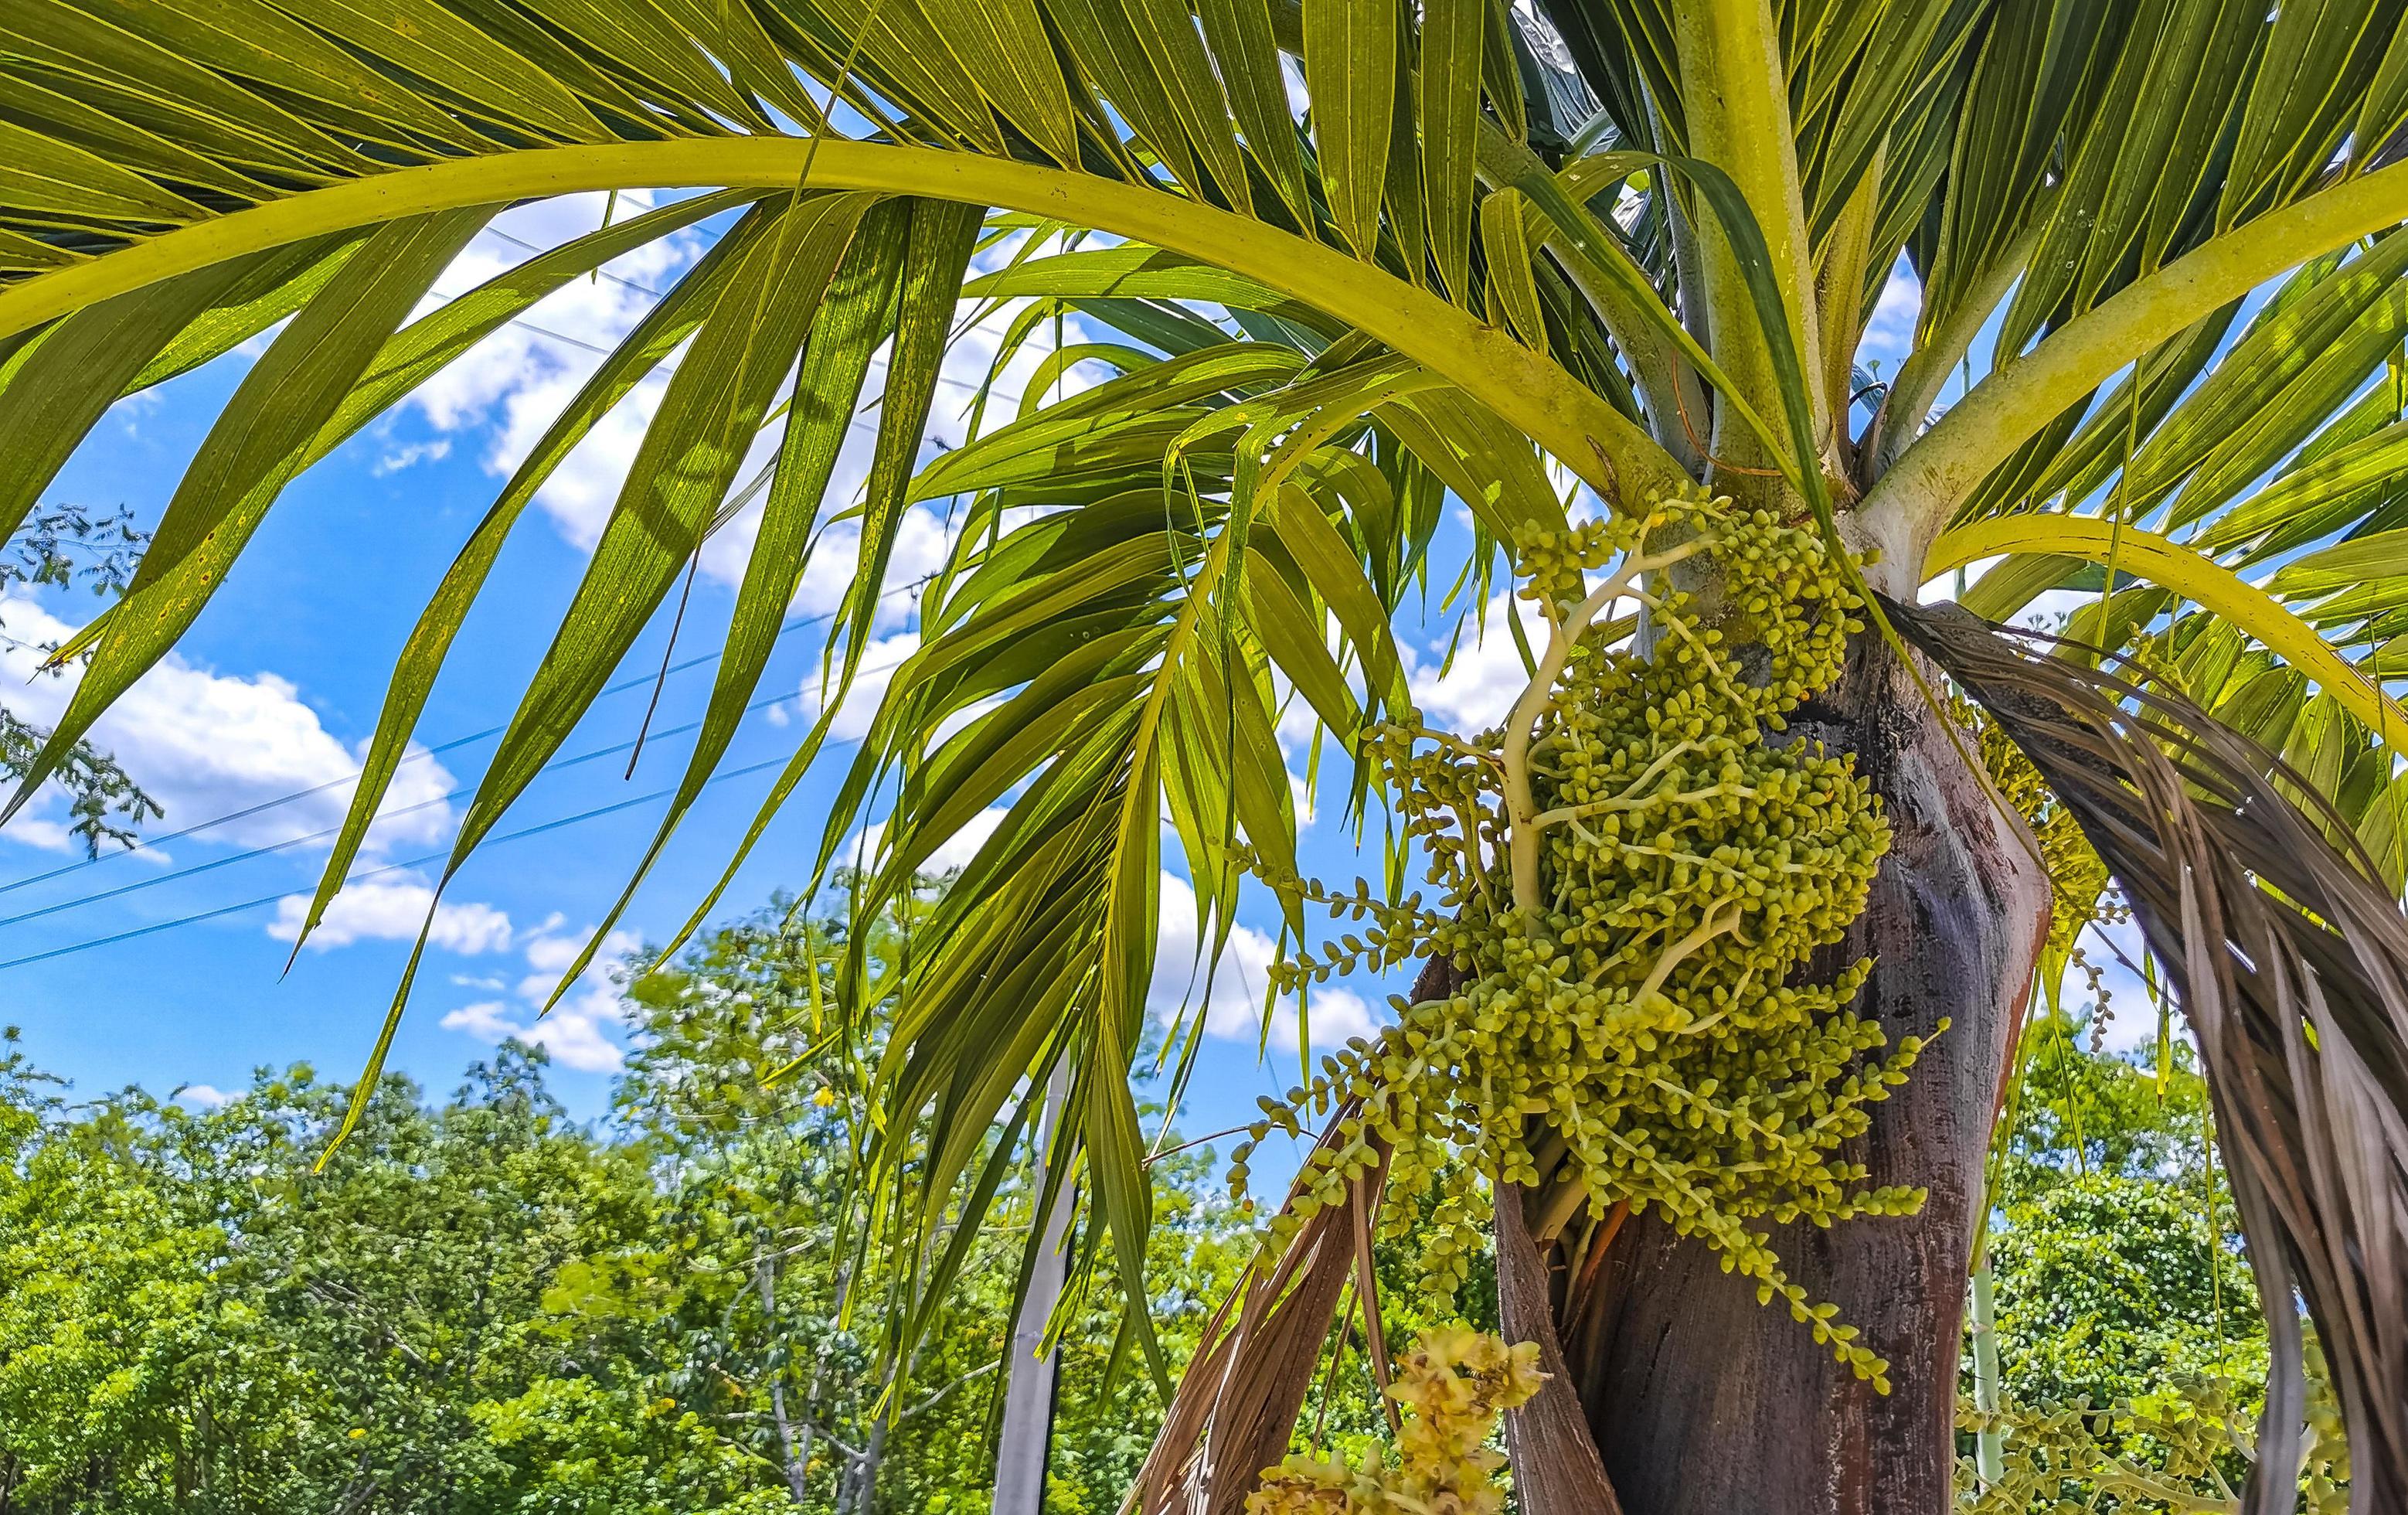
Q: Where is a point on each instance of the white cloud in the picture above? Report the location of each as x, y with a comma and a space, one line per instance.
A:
206, 745
45, 836
516, 381
578, 1031
922, 541
1299, 794
1233, 1004
375, 910
205, 1096
1338, 1015
581, 489
572, 1033
553, 954
878, 662
519, 378
1478, 689
954, 852
411, 455
488, 1020
589, 310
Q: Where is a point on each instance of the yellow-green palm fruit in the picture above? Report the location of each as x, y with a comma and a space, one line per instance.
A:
1646, 1031
1450, 1390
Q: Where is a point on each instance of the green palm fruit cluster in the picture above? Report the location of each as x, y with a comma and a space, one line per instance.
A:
1451, 1388
1644, 1031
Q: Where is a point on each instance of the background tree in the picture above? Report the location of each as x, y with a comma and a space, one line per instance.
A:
2118, 1251
63, 547
2129, 1337
1449, 272
484, 1305
742, 1088
197, 1322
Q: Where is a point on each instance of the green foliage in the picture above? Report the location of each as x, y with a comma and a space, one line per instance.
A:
63, 547
2104, 186
579, 1445
2083, 1110
2185, 1450
2113, 1288
189, 1319
2117, 1252
483, 1305
2130, 1340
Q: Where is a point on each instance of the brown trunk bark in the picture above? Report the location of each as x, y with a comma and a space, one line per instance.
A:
1703, 1401
1555, 1465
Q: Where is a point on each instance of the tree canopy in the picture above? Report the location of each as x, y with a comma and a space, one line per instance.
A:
483, 1305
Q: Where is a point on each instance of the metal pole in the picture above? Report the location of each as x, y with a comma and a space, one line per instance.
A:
1029, 1369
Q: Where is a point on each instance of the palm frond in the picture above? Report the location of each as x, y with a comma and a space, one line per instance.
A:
2289, 959
1556, 1461
1441, 276
1237, 1405
1097, 663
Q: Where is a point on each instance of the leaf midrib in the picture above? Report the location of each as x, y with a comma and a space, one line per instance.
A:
1538, 397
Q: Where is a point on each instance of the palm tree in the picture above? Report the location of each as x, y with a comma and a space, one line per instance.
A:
1635, 241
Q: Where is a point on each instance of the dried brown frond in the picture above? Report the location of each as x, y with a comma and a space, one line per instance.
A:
1237, 1403
2290, 961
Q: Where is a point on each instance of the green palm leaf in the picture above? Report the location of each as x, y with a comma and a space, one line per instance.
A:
1446, 283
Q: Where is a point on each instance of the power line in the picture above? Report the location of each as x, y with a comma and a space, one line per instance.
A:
640, 680
561, 337
582, 816
153, 844
539, 249
408, 863
266, 848
642, 289
473, 737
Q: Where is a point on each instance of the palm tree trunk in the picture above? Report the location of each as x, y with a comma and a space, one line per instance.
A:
1701, 1401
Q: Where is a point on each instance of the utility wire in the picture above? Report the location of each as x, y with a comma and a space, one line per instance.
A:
388, 868
521, 835
456, 741
642, 289
537, 247
641, 681
153, 843
266, 849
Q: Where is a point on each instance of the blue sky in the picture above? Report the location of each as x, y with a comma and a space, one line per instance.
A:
281, 684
